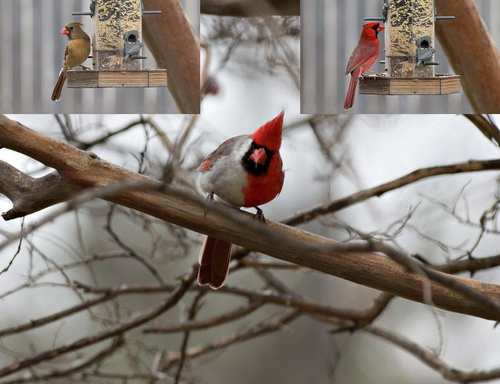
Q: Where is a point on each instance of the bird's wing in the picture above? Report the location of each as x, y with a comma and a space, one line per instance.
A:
362, 54
66, 53
223, 150
77, 51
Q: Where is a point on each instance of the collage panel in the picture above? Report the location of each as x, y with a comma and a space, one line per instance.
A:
155, 75
242, 225
414, 60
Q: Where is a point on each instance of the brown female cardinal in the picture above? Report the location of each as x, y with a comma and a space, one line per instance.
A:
244, 171
77, 51
362, 58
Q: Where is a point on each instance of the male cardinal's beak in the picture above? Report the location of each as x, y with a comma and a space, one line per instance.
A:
64, 31
380, 28
259, 156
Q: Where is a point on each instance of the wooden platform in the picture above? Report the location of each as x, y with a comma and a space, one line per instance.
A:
146, 78
381, 85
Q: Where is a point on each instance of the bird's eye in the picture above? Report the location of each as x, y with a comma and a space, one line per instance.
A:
70, 28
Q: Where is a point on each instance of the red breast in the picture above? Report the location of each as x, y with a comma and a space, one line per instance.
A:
264, 186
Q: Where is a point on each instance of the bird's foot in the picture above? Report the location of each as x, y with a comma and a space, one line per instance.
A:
259, 216
210, 198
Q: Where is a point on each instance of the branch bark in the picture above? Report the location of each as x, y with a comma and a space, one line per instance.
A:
29, 195
175, 46
277, 240
472, 52
117, 330
379, 190
251, 7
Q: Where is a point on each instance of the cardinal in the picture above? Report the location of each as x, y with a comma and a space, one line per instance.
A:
244, 171
77, 51
362, 58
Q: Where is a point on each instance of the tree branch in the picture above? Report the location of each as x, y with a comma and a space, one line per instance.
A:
419, 174
432, 360
250, 7
486, 127
119, 329
29, 195
277, 240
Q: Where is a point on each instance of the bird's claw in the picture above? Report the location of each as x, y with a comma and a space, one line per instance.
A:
259, 216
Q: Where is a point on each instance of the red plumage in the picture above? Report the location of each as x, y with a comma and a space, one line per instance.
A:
362, 58
270, 133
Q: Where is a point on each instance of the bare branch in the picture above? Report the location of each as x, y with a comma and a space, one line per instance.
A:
29, 195
283, 242
487, 128
101, 355
208, 323
260, 329
117, 330
432, 360
334, 206
250, 7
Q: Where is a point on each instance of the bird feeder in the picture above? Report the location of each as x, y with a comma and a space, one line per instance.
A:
116, 47
409, 52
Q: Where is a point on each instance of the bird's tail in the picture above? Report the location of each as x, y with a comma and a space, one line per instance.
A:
351, 91
56, 93
214, 262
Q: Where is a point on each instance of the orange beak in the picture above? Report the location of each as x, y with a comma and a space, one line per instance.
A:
65, 31
380, 28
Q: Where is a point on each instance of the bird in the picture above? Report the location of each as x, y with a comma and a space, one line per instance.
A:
362, 58
425, 55
244, 171
77, 51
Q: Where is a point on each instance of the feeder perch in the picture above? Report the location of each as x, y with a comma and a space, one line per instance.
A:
116, 49
409, 52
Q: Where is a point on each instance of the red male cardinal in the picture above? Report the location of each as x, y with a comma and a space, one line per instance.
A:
244, 171
77, 51
362, 58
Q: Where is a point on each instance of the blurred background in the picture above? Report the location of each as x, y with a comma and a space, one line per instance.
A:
29, 71
330, 31
103, 245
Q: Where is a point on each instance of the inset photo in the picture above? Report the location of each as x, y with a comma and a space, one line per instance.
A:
405, 56
100, 56
250, 56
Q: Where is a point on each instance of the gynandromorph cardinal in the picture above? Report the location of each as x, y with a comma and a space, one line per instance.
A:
244, 171
362, 58
77, 51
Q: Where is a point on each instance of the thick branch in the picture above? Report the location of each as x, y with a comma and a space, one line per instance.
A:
251, 7
175, 46
277, 240
472, 53
29, 195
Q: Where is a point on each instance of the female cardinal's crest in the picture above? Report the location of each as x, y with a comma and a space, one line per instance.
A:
269, 135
